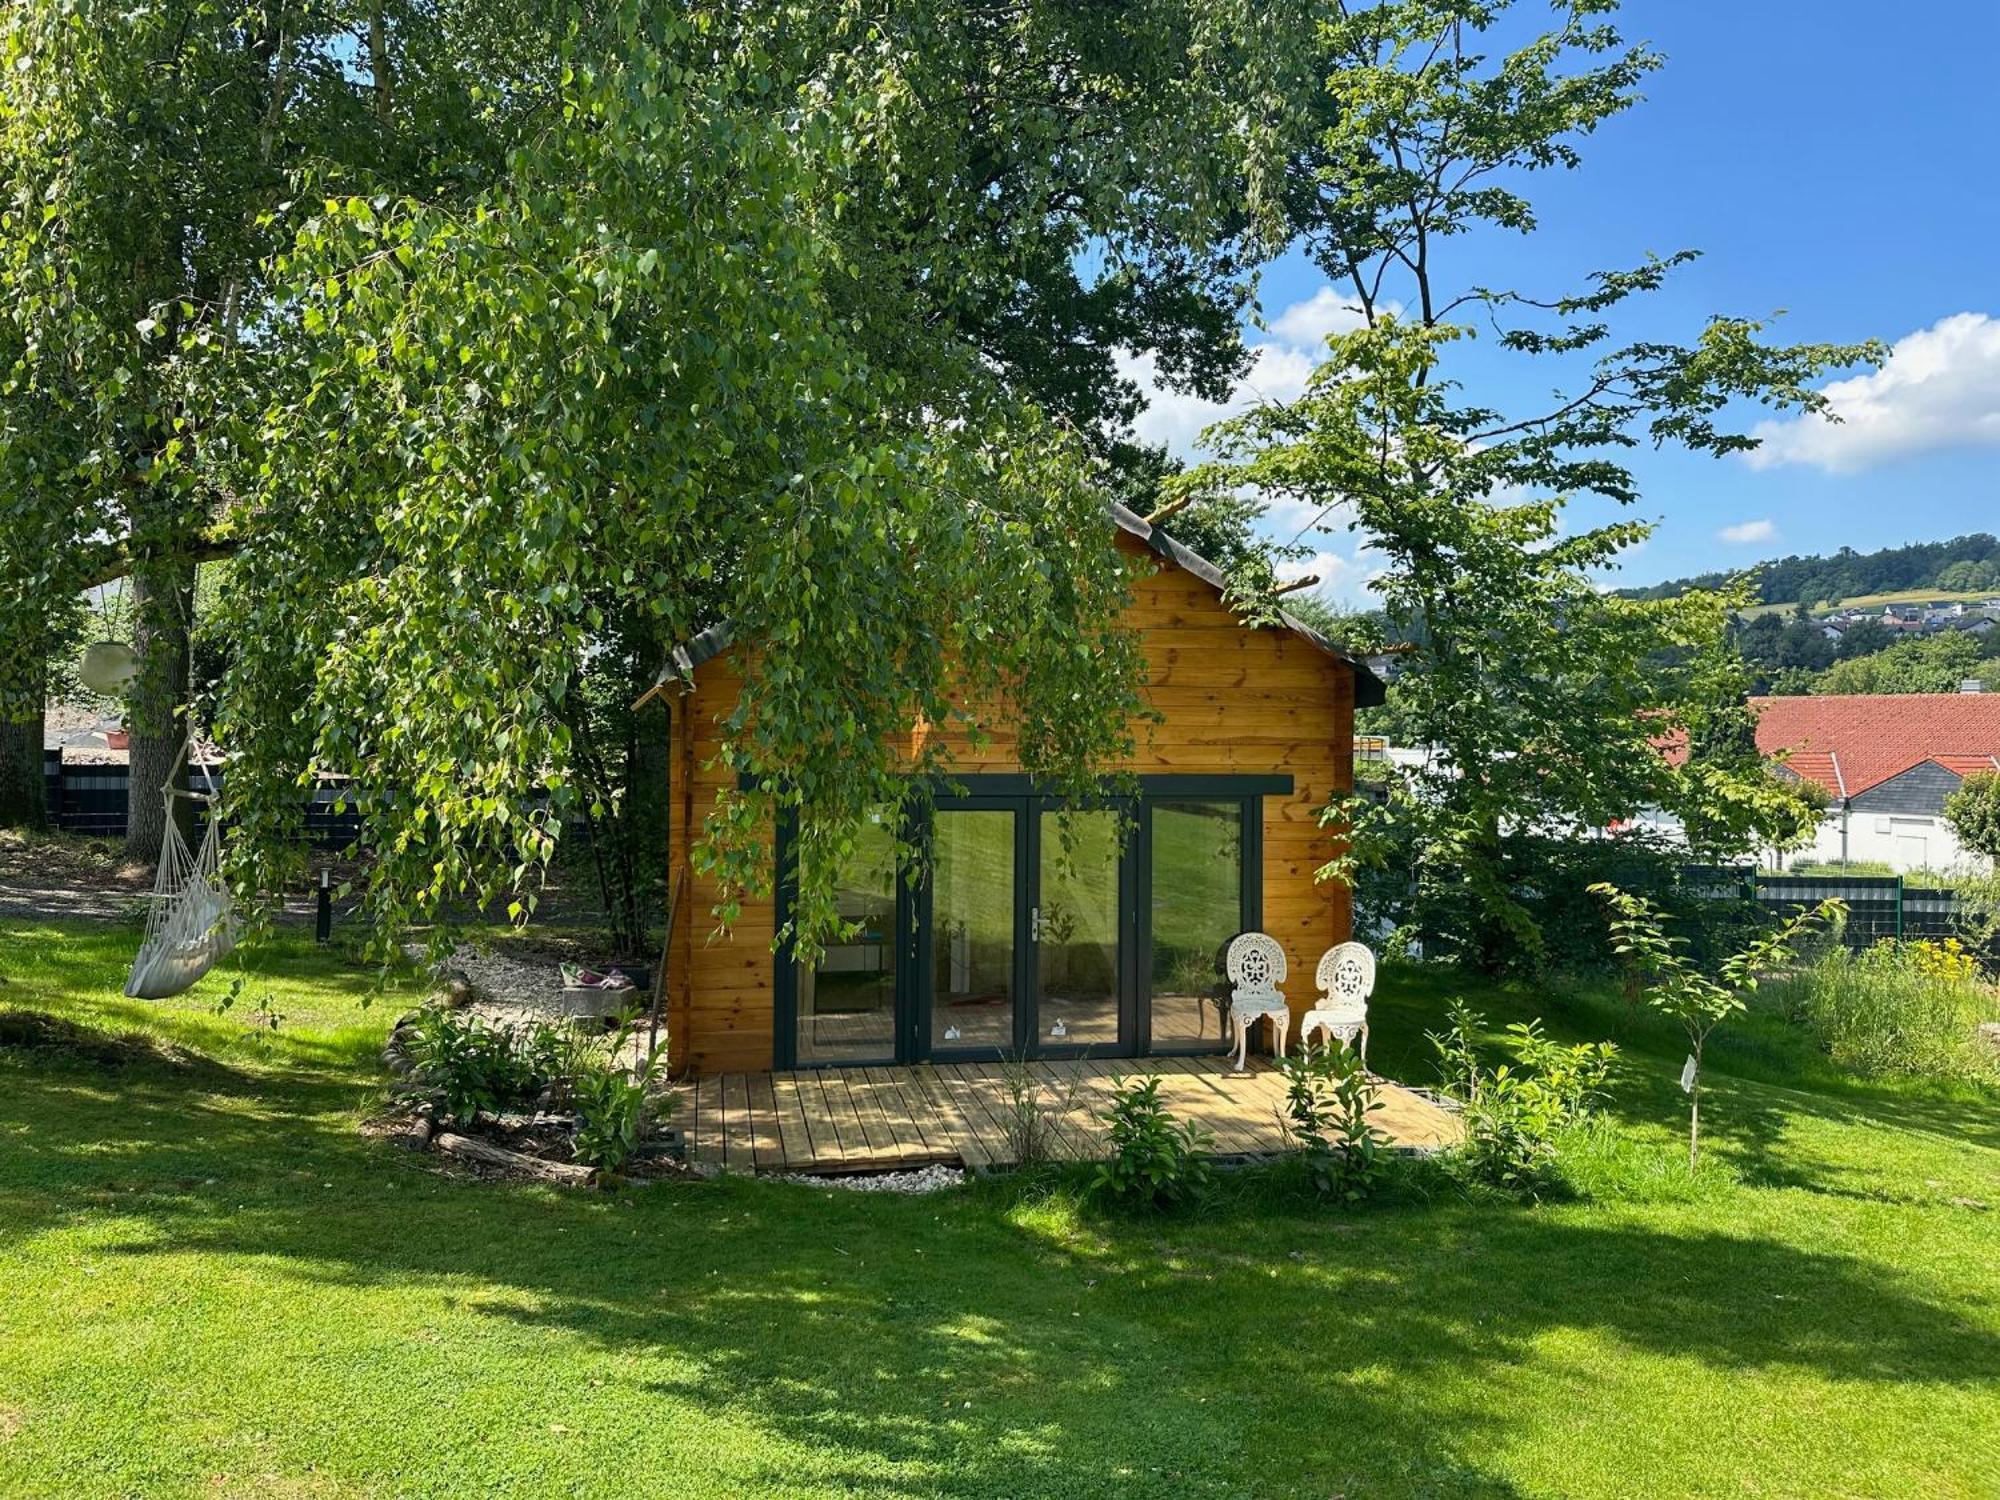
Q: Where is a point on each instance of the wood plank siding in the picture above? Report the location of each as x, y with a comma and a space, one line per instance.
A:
1232, 701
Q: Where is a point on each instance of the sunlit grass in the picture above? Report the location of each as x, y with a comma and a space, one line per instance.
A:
216, 1284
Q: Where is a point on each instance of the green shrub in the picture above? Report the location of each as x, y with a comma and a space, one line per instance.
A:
1908, 1008
1574, 1077
1515, 1116
1457, 1057
1156, 1160
1511, 1128
1328, 1098
465, 1068
614, 1113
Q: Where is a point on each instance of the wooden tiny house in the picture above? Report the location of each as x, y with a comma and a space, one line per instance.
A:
1008, 947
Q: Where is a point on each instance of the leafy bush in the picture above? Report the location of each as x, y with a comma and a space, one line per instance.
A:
614, 1110
1910, 1008
1457, 1057
1974, 813
1328, 1098
1573, 1076
556, 1054
1511, 1129
1550, 879
464, 1067
1515, 1116
1156, 1160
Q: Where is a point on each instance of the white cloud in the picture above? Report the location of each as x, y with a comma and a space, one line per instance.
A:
1307, 324
1749, 531
1276, 374
1279, 368
1939, 389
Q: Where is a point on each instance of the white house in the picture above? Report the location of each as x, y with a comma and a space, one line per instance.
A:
1888, 761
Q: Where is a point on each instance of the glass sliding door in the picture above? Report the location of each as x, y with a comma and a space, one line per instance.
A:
1076, 921
1196, 885
847, 1001
974, 911
1030, 928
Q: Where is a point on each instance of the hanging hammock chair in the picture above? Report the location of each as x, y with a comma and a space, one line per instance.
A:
190, 922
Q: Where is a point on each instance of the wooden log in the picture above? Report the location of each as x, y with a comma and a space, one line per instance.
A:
571, 1173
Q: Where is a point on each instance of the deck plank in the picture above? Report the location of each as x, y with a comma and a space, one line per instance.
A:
981, 1097
1233, 1105
709, 1111
855, 1145
923, 1127
904, 1136
794, 1134
821, 1123
829, 1129
971, 1144
737, 1153
861, 1088
766, 1142
857, 1119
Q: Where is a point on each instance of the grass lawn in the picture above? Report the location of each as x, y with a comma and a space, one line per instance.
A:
216, 1285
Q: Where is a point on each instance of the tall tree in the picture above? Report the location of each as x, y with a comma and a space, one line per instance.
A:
1542, 695
141, 147
730, 330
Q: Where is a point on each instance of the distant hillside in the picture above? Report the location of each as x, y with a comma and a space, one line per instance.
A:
1963, 564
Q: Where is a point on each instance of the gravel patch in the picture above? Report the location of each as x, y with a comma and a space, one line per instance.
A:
932, 1179
518, 991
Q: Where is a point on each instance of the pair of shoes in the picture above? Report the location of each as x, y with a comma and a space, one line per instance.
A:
577, 977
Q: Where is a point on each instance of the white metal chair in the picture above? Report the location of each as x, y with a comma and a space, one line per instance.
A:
1255, 964
1346, 979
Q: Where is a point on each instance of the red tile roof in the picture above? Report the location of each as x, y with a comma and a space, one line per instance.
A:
1849, 743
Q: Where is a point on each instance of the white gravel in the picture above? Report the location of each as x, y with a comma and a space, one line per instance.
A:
931, 1179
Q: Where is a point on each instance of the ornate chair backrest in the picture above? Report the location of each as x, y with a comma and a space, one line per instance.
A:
1346, 976
1255, 964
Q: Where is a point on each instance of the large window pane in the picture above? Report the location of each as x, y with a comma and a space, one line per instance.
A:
972, 938
1197, 879
847, 1004
1077, 934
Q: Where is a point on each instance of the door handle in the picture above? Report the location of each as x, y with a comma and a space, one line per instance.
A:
1034, 924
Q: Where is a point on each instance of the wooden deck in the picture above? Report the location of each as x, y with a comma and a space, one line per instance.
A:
880, 1118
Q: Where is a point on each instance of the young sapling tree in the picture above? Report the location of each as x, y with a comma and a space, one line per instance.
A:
1677, 988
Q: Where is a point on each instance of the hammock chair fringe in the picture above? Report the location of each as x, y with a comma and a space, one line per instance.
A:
190, 920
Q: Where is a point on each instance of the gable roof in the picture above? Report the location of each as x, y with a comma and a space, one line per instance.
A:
1851, 742
1368, 689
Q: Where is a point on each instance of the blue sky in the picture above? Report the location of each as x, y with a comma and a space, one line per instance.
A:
1833, 159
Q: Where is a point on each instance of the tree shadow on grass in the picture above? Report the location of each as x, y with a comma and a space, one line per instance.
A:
961, 1346
1757, 1127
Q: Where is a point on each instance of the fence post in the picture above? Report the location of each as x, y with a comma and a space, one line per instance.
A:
323, 917
1899, 911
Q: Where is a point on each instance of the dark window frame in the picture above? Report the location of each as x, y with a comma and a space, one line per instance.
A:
1028, 798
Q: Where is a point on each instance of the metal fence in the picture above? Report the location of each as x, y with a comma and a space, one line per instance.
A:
1878, 906
96, 800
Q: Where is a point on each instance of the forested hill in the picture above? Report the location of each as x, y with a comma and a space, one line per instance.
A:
1963, 564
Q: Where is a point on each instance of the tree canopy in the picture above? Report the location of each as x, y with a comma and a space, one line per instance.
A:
500, 344
1543, 698
1973, 811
